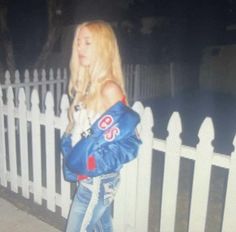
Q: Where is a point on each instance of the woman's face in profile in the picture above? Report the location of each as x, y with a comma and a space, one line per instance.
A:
84, 46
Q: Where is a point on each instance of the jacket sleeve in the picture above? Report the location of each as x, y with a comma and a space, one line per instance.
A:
113, 142
109, 157
66, 147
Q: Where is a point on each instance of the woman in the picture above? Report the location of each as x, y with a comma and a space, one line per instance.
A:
100, 136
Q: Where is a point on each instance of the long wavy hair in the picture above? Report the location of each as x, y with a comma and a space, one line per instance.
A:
86, 81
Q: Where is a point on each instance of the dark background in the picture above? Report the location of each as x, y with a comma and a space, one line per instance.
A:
184, 29
187, 27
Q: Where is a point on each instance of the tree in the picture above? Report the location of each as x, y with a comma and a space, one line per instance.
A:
54, 31
61, 13
7, 60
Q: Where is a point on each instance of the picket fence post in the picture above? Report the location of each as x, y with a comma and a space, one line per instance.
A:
65, 80
51, 78
201, 178
27, 88
7, 78
22, 109
124, 218
65, 186
36, 147
36, 80
12, 139
50, 153
43, 90
136, 80
131, 206
229, 221
7, 83
58, 91
17, 88
144, 171
171, 173
131, 179
130, 77
3, 167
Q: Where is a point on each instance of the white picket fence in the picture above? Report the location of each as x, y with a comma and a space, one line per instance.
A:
141, 81
53, 81
29, 160
23, 143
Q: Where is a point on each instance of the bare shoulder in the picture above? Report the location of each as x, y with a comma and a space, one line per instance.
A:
110, 89
111, 93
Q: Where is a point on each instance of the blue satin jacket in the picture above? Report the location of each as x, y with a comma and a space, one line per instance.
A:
113, 142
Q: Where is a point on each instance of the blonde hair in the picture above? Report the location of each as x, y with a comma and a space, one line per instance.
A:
106, 65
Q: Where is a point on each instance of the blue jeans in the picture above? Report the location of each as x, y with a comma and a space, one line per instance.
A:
91, 206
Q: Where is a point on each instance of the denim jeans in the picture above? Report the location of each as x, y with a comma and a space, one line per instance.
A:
91, 207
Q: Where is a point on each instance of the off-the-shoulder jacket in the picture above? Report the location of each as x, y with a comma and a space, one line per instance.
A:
112, 143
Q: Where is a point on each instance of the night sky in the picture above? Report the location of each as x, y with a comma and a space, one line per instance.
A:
205, 22
28, 27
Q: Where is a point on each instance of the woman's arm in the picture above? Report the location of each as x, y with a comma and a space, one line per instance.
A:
111, 93
110, 157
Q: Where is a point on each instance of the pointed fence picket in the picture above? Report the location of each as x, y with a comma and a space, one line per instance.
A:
130, 205
3, 165
12, 140
143, 171
36, 148
230, 205
36, 80
201, 179
65, 186
50, 153
58, 91
27, 88
17, 82
43, 90
27, 158
24, 153
125, 204
171, 174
